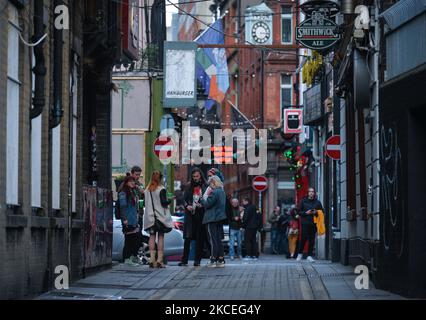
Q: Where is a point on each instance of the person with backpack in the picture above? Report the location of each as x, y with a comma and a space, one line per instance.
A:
129, 219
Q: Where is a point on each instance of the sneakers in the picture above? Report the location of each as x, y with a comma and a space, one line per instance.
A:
220, 263
130, 262
247, 258
254, 258
197, 264
211, 264
232, 258
299, 257
182, 264
310, 259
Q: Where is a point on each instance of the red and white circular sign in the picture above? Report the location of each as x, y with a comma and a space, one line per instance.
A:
332, 147
164, 147
260, 183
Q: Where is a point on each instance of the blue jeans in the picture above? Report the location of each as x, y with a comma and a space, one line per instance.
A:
274, 238
234, 235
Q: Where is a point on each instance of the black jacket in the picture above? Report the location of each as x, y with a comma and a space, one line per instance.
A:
305, 205
251, 220
193, 221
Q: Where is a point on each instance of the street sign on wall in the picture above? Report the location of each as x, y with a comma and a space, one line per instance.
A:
293, 121
179, 74
332, 147
260, 183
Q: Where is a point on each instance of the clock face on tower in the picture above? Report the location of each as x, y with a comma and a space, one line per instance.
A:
260, 32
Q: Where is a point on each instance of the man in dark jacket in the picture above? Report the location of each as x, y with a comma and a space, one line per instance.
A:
273, 220
235, 212
307, 210
251, 223
193, 228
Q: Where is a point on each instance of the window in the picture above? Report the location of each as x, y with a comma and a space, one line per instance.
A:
35, 154
286, 25
74, 90
56, 168
12, 108
286, 91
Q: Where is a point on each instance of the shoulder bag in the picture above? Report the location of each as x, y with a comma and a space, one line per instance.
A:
158, 225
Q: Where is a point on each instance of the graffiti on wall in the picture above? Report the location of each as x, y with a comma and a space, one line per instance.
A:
392, 198
98, 226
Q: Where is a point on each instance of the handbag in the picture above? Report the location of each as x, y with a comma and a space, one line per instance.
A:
158, 225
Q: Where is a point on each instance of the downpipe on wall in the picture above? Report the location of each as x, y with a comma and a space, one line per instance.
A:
39, 69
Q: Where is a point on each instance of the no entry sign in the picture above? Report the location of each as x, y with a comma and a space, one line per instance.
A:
260, 183
164, 147
332, 147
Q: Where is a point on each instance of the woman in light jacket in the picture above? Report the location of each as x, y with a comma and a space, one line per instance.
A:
214, 201
156, 205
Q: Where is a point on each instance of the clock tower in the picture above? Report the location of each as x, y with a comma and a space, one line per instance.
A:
258, 24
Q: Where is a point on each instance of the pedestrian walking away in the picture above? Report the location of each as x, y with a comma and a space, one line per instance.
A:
214, 202
157, 218
193, 228
308, 209
129, 220
235, 224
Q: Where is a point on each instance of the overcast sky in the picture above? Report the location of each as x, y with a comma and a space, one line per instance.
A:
169, 10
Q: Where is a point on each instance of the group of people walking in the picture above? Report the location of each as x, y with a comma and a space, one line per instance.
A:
207, 209
299, 226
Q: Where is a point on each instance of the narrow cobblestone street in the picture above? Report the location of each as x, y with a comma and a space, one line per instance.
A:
269, 278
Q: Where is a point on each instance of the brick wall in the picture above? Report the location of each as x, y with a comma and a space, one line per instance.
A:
29, 240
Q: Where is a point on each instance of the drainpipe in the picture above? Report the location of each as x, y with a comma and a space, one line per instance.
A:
57, 112
347, 7
39, 68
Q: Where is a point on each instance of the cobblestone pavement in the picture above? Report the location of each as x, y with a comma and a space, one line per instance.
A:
269, 278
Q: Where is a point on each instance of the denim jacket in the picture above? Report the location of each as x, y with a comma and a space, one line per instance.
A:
129, 211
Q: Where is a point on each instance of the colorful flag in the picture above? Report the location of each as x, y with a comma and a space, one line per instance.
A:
211, 64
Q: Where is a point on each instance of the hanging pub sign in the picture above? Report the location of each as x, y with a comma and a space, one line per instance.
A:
317, 32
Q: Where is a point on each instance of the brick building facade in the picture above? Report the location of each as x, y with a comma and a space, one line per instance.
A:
251, 72
46, 152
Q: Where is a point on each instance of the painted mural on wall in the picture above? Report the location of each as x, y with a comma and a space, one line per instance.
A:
393, 201
98, 226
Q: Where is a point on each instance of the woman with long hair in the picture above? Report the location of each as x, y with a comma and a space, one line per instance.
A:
129, 220
156, 207
193, 228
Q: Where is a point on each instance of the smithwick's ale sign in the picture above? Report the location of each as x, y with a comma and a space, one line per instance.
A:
317, 32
